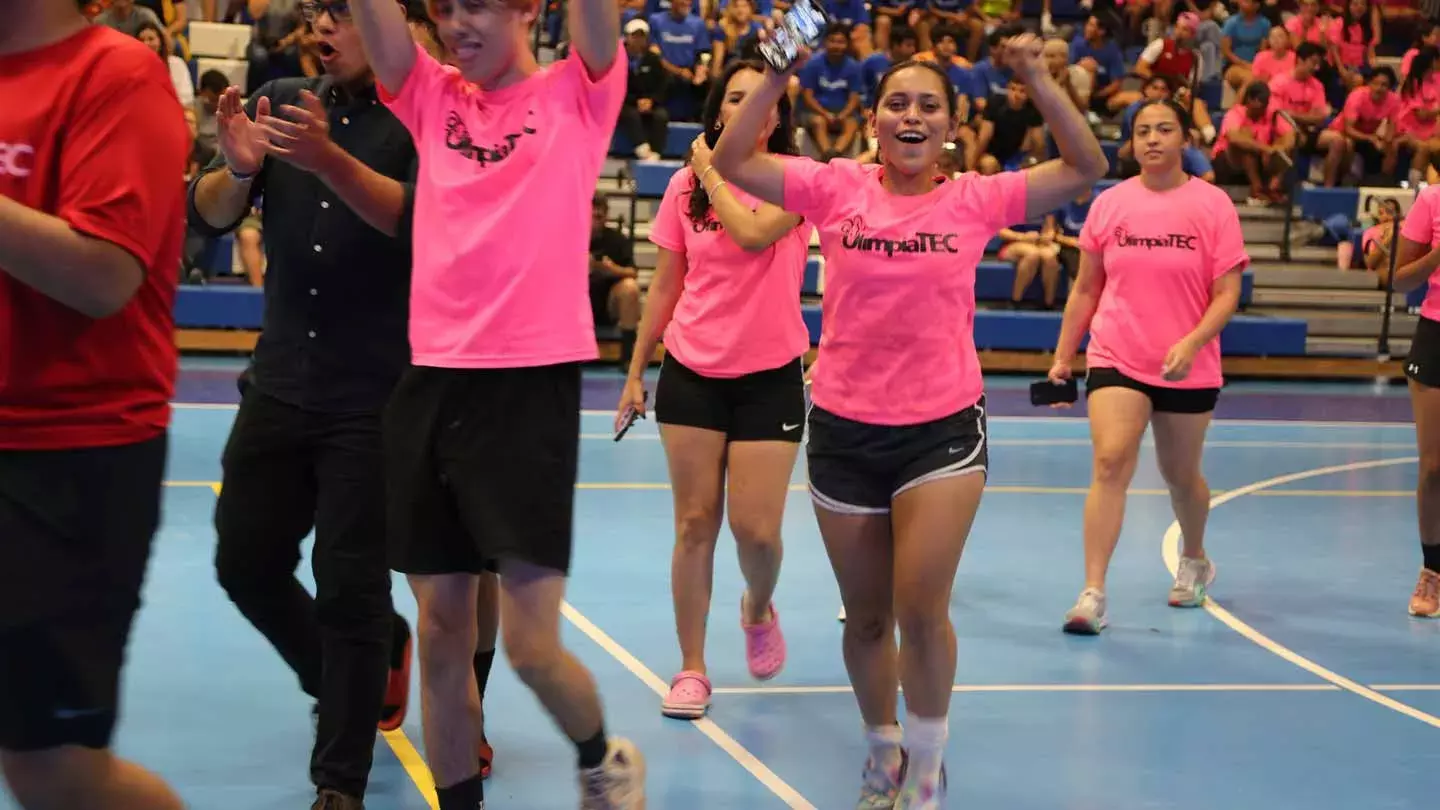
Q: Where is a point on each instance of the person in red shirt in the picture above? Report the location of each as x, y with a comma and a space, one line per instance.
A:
93, 149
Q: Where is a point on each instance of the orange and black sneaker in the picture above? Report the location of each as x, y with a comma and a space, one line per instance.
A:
487, 755
397, 689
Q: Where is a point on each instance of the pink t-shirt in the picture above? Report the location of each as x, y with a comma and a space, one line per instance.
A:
1266, 130
1405, 62
1160, 253
739, 311
1294, 95
502, 212
1315, 33
897, 341
1350, 43
1364, 113
1268, 65
1422, 225
1428, 98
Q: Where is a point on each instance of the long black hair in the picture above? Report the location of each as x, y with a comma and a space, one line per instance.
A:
1420, 68
782, 140
1367, 24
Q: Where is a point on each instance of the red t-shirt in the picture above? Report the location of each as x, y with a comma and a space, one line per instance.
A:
91, 132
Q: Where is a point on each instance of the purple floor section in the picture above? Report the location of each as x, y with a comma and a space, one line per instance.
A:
1007, 396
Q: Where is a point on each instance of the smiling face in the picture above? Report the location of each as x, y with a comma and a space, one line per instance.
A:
484, 37
913, 119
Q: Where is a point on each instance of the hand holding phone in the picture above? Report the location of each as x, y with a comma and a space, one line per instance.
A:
803, 26
629, 415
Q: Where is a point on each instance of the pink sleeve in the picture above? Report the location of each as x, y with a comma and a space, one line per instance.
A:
413, 100
811, 187
1420, 222
667, 230
1228, 241
1004, 197
1094, 234
598, 97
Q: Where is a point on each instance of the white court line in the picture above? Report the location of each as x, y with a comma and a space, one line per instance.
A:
1170, 551
1050, 687
1275, 423
705, 725
1210, 443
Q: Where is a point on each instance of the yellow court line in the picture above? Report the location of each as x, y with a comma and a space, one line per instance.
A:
414, 765
1170, 552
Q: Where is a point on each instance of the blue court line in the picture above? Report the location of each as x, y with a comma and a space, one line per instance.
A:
1170, 553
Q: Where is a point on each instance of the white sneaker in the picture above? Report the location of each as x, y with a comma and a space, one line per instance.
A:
618, 783
1087, 618
1192, 582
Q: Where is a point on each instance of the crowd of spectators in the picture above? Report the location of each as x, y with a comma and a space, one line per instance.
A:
1334, 92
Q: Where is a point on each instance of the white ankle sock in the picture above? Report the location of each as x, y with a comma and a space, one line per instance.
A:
925, 740
885, 744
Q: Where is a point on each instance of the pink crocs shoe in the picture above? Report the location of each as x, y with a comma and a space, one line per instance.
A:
689, 696
764, 645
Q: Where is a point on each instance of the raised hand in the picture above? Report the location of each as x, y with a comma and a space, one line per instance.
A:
241, 141
1023, 55
302, 137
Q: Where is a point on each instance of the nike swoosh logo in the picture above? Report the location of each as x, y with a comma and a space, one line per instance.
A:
788, 428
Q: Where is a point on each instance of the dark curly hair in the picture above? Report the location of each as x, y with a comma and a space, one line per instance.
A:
782, 140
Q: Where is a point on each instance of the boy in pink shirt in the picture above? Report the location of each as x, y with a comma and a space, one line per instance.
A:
482, 433
1162, 255
730, 401
1302, 96
897, 448
1254, 145
1418, 259
1368, 123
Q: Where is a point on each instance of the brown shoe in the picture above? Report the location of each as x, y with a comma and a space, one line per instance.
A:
1426, 599
335, 800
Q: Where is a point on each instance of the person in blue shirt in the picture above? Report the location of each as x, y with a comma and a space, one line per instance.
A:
831, 90
1095, 51
960, 14
1241, 37
680, 38
890, 14
737, 24
947, 56
904, 43
1193, 160
988, 79
855, 15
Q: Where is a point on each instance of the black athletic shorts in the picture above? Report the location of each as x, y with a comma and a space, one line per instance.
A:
76, 528
480, 466
763, 406
858, 468
1423, 364
1162, 399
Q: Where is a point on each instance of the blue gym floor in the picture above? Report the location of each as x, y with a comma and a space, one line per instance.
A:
1307, 686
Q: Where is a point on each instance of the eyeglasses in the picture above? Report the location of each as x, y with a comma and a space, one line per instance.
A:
311, 10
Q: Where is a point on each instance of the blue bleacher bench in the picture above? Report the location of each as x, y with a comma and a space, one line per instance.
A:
994, 280
1002, 330
219, 306
1320, 203
678, 138
651, 178
810, 284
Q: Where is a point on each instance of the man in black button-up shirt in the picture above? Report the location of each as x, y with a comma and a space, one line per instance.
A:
331, 169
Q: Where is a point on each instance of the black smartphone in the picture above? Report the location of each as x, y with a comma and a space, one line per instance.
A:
1045, 392
629, 418
712, 136
803, 25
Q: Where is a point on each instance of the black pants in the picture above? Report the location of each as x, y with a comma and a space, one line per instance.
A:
285, 471
641, 127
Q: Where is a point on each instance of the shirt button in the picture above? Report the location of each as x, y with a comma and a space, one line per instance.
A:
314, 291
312, 333
317, 248
345, 120
324, 203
